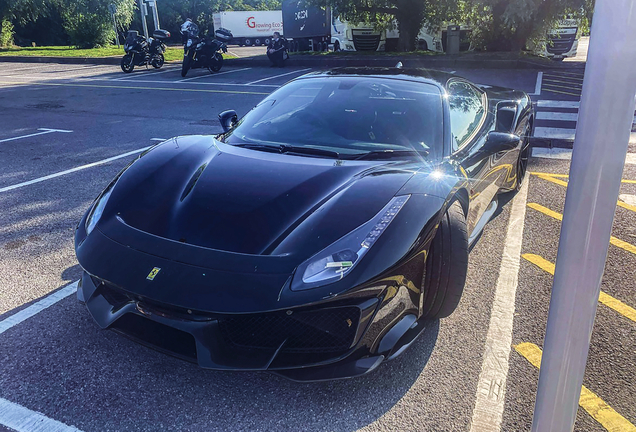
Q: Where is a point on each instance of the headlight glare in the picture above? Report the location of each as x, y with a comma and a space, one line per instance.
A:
98, 209
341, 257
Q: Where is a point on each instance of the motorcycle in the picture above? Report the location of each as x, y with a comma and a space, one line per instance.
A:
142, 52
203, 52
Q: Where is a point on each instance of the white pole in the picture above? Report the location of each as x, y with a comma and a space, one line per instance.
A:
602, 136
144, 11
155, 13
116, 32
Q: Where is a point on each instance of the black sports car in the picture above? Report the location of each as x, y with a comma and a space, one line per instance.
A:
316, 235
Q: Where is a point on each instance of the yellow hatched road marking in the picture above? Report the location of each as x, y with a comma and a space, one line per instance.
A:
558, 216
589, 401
550, 178
566, 176
606, 299
132, 87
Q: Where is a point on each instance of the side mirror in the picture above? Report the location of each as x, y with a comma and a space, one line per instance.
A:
497, 142
228, 119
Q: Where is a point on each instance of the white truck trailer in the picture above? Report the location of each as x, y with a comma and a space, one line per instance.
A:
250, 27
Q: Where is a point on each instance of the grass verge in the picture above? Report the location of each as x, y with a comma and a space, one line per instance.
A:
171, 54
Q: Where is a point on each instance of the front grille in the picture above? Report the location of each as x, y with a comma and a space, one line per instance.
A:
561, 45
159, 336
366, 42
327, 330
112, 295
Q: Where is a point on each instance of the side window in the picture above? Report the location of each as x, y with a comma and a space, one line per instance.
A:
466, 111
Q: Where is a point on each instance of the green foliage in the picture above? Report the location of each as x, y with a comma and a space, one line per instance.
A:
88, 22
6, 33
507, 25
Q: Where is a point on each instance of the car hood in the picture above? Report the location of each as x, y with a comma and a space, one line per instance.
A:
199, 191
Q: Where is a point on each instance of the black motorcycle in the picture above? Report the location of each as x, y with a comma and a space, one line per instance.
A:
203, 52
142, 52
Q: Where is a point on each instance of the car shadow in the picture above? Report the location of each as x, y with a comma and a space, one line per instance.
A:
91, 377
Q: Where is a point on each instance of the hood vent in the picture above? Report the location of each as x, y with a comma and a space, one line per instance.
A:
193, 181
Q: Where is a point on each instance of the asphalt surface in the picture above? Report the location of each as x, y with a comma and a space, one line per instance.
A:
60, 364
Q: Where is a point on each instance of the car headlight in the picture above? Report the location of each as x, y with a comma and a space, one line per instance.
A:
98, 209
340, 258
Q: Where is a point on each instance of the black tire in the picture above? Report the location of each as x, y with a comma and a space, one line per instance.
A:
524, 156
157, 61
336, 46
127, 63
446, 265
422, 45
266, 41
257, 42
185, 66
218, 63
248, 42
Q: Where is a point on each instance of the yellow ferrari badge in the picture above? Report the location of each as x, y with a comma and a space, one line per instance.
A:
153, 273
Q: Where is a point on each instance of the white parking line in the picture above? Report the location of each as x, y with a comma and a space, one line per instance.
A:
37, 307
537, 87
176, 82
128, 77
22, 419
276, 76
491, 388
44, 132
72, 170
214, 74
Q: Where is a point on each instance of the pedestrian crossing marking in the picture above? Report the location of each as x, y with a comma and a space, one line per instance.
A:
557, 104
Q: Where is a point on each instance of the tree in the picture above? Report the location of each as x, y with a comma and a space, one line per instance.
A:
408, 15
88, 22
506, 25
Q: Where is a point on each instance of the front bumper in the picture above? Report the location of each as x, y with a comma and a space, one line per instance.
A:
304, 344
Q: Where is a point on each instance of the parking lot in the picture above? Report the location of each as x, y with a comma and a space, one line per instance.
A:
69, 129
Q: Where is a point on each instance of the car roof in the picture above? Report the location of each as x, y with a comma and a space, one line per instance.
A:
429, 76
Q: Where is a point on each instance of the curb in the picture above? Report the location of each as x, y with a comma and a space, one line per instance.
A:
304, 60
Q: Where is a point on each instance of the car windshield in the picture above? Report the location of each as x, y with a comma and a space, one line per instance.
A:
352, 116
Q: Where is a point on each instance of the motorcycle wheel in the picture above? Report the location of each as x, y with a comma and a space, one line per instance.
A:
217, 63
127, 64
157, 61
185, 66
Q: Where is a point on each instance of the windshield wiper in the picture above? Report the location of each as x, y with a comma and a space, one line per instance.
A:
386, 154
263, 147
309, 151
284, 148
